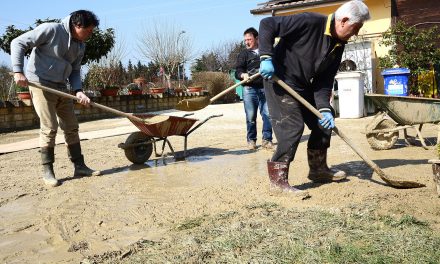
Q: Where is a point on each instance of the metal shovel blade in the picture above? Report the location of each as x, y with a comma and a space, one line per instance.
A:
200, 103
193, 104
374, 166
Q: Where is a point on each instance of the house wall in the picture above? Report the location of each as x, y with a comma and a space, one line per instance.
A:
411, 11
23, 116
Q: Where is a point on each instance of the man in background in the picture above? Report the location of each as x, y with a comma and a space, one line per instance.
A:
248, 63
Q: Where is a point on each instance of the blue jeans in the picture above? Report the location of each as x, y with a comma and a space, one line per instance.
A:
254, 98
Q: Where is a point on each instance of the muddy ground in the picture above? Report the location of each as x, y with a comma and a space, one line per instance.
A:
94, 215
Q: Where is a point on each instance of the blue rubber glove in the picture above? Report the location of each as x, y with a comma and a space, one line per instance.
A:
327, 121
266, 68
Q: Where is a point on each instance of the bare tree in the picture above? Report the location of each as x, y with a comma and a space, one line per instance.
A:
227, 53
107, 71
221, 58
167, 46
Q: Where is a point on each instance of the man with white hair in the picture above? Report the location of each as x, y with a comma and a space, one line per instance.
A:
307, 58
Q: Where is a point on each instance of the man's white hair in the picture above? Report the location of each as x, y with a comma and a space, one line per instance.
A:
355, 10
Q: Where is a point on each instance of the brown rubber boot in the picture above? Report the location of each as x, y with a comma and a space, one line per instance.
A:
77, 158
319, 171
47, 160
278, 175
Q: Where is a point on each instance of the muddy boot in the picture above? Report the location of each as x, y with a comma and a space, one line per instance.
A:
47, 160
278, 175
77, 158
319, 171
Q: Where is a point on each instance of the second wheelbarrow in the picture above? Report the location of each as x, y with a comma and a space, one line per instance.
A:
400, 113
140, 145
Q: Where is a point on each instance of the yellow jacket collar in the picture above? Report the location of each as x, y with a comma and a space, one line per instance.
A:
328, 25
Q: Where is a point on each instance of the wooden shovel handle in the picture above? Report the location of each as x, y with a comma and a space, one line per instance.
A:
251, 78
100, 106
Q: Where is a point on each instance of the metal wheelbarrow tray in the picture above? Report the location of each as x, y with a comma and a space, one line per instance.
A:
139, 145
400, 113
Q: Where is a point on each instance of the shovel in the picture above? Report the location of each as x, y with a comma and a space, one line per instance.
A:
202, 102
148, 121
382, 175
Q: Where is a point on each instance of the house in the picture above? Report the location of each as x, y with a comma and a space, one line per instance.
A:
363, 50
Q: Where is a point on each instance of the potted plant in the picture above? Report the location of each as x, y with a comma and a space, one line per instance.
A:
22, 92
194, 89
133, 89
110, 90
157, 90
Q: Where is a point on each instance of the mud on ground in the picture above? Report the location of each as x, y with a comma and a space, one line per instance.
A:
131, 203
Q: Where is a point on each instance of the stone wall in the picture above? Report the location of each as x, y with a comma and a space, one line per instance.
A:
21, 116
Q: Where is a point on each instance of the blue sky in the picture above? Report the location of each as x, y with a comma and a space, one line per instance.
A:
207, 22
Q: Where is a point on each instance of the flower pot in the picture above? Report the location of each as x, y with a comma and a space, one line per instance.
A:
109, 92
24, 95
133, 92
436, 174
195, 89
157, 90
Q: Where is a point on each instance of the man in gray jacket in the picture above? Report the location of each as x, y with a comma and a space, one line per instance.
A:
55, 60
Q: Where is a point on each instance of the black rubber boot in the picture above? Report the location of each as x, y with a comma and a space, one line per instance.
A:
278, 175
47, 160
77, 158
319, 171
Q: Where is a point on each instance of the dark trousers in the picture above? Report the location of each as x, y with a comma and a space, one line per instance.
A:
288, 118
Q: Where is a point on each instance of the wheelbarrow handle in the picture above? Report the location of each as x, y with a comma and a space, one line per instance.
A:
100, 106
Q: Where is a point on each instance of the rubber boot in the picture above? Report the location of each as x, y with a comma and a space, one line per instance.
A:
47, 160
77, 158
278, 175
319, 171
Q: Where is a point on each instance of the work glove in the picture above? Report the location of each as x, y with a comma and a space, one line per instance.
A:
327, 121
266, 68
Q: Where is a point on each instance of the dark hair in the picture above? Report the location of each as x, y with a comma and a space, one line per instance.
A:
84, 19
252, 31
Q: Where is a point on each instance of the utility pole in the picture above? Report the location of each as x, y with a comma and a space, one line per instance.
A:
178, 56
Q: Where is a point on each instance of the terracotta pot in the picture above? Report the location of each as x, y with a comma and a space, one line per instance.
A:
109, 92
133, 92
436, 174
157, 90
24, 95
195, 89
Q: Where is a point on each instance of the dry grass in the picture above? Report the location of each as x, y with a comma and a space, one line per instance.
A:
215, 82
267, 233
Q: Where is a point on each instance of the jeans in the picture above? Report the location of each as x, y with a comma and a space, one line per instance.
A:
254, 98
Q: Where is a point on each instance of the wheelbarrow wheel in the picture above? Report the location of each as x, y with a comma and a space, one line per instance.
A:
141, 153
382, 141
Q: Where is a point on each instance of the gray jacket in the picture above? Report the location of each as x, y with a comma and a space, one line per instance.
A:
55, 58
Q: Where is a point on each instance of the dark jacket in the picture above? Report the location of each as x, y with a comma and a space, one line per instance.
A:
248, 62
307, 57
